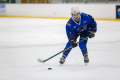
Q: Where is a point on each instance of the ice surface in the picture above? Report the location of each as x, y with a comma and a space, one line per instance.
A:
22, 41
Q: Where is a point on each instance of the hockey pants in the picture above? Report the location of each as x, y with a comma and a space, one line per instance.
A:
82, 45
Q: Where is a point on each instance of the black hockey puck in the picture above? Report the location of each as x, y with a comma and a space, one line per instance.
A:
49, 68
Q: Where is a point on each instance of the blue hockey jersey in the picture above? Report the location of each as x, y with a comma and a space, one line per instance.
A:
86, 23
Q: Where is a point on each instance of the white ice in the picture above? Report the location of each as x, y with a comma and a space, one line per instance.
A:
23, 40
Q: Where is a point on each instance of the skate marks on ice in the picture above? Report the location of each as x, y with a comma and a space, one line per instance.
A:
100, 67
31, 45
76, 68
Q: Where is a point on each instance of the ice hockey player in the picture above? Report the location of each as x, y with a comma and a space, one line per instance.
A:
80, 24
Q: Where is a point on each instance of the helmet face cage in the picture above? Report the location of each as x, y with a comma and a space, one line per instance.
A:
75, 12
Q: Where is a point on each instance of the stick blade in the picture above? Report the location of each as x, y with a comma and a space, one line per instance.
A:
40, 60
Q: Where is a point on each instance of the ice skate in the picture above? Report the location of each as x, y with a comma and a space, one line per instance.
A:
62, 60
86, 59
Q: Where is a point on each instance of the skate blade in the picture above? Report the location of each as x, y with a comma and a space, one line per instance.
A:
61, 64
86, 64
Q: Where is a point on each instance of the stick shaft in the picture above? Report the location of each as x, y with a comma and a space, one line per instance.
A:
64, 50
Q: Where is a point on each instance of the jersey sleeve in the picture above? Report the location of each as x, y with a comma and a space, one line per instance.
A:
93, 24
70, 30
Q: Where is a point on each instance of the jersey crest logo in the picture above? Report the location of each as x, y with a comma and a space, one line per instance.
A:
82, 28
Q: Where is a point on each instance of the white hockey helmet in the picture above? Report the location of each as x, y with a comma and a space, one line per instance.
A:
75, 10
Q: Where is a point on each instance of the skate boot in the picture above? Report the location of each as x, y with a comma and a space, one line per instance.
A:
86, 59
62, 59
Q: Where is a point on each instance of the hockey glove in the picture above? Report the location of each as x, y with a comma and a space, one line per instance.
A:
91, 33
74, 44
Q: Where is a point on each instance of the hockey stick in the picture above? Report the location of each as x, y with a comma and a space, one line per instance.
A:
42, 61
